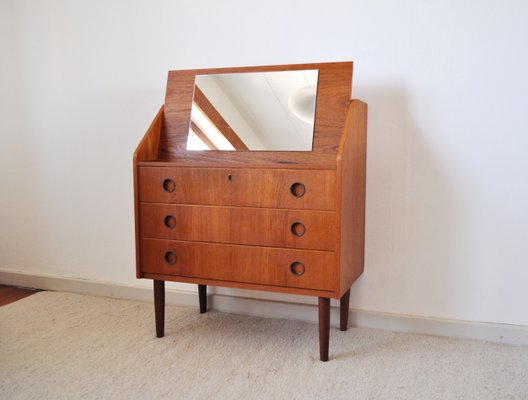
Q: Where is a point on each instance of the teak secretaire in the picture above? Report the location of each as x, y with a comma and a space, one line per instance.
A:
254, 178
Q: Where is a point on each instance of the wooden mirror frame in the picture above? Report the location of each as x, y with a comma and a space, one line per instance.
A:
333, 100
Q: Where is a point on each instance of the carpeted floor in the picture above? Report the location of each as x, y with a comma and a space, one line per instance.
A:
68, 346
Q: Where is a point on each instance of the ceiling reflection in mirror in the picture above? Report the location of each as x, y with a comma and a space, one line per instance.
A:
252, 111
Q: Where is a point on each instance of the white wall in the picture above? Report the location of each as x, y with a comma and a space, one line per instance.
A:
447, 87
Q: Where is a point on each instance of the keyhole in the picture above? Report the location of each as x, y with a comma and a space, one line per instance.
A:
229, 177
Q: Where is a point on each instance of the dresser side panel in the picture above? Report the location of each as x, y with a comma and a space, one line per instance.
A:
352, 179
146, 150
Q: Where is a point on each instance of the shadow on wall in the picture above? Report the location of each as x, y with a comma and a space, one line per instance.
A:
409, 214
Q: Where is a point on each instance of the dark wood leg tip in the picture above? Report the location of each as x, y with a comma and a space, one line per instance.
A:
344, 310
202, 294
159, 307
324, 328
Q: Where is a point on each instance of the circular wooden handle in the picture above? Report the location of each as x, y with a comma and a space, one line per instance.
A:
170, 257
297, 268
298, 229
169, 185
169, 221
297, 189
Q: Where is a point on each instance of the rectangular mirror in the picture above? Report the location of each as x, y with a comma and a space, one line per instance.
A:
252, 111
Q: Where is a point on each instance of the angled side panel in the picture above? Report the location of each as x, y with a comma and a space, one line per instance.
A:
352, 177
147, 150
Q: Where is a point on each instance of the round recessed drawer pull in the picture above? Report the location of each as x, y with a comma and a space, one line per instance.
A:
297, 268
168, 185
169, 221
298, 229
170, 257
297, 189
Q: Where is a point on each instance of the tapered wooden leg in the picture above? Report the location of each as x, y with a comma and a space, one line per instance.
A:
159, 307
324, 327
202, 294
344, 308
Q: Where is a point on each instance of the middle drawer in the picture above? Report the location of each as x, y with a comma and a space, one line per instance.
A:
240, 225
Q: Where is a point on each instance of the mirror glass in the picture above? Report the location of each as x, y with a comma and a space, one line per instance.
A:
266, 111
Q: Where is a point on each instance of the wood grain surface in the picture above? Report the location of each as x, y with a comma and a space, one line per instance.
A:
316, 230
239, 187
351, 192
253, 264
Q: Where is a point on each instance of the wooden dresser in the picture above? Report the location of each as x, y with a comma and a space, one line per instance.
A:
282, 221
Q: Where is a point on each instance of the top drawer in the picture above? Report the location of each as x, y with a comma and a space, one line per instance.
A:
301, 189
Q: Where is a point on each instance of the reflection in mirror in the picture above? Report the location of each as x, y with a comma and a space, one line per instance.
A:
267, 111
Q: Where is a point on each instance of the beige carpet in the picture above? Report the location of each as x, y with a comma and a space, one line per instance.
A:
67, 346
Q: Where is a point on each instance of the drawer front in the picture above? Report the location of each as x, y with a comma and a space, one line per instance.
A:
300, 189
240, 225
307, 269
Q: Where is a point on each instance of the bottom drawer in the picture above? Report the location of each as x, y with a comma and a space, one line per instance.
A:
309, 269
